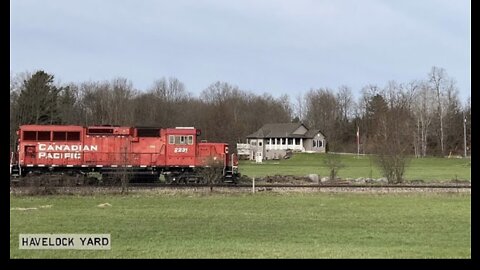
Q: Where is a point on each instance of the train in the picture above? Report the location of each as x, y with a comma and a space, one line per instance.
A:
143, 154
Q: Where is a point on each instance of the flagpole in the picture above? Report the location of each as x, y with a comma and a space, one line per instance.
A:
358, 141
465, 136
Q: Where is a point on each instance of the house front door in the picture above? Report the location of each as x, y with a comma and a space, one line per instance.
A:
259, 157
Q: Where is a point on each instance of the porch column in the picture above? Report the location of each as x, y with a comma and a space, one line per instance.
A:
301, 145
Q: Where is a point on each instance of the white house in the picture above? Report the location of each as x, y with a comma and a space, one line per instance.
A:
274, 141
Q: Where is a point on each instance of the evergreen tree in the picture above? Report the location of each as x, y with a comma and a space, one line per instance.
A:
37, 101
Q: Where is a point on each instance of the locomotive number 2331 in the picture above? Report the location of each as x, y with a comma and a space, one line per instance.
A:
180, 150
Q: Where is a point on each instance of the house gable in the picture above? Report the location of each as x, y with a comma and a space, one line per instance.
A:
301, 130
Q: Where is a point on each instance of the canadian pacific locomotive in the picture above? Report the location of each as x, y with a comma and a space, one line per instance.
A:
174, 155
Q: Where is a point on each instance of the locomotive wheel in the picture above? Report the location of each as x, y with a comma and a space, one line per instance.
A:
202, 180
169, 180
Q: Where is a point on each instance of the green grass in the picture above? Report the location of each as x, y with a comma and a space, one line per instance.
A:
427, 169
262, 225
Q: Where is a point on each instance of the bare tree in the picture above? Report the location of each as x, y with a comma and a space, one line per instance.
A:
68, 105
16, 84
345, 102
334, 164
121, 94
424, 111
467, 111
322, 113
391, 145
125, 175
212, 172
437, 80
300, 107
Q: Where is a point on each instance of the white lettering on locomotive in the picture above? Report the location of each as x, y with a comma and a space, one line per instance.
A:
61, 151
180, 150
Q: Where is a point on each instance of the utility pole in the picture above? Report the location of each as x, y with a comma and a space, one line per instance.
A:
465, 135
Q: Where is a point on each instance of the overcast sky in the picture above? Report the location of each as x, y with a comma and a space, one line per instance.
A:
269, 46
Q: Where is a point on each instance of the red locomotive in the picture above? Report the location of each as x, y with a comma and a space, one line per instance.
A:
174, 153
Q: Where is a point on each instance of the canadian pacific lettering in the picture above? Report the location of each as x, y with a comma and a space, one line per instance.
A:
60, 151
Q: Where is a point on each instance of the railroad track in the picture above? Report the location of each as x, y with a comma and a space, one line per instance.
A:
14, 183
439, 186
354, 186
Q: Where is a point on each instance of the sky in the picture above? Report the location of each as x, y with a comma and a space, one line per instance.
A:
270, 46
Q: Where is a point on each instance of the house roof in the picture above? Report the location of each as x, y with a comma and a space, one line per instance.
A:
312, 132
282, 130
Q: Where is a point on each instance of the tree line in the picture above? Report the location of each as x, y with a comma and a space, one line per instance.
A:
420, 117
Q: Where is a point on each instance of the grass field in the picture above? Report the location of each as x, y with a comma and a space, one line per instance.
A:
262, 225
301, 164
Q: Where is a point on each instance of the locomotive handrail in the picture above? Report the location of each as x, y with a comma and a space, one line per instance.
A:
11, 162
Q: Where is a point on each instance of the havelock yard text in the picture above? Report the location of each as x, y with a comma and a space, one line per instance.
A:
64, 241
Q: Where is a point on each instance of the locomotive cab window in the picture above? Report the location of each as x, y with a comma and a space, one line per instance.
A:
172, 139
190, 140
179, 139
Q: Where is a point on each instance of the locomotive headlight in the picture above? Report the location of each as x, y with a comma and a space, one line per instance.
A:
226, 149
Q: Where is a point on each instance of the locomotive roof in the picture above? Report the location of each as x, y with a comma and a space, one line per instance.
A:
180, 130
51, 127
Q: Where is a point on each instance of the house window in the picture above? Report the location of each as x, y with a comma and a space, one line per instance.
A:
259, 143
171, 139
284, 141
314, 143
319, 143
253, 142
290, 141
267, 142
297, 141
